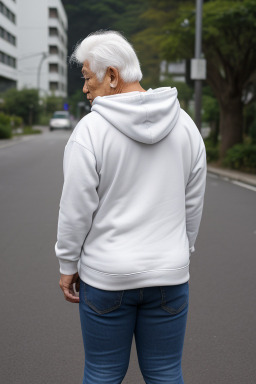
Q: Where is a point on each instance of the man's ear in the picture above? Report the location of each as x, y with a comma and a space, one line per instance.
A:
113, 77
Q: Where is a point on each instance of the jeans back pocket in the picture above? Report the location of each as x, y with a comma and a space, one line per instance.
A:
102, 301
174, 298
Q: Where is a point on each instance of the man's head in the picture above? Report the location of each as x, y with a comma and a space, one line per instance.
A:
109, 62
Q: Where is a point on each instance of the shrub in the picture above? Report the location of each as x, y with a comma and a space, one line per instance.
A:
16, 121
24, 103
28, 130
5, 126
212, 151
241, 156
5, 132
44, 118
252, 132
4, 119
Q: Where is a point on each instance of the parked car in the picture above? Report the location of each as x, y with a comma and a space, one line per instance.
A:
60, 120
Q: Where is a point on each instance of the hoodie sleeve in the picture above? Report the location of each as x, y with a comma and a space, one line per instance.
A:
195, 195
79, 200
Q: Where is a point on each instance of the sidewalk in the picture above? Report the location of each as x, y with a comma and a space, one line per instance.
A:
246, 178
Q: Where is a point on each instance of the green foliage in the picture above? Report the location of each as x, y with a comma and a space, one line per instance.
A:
89, 16
5, 126
76, 98
250, 121
44, 118
53, 103
16, 121
28, 130
5, 132
211, 110
23, 103
212, 150
211, 113
229, 41
5, 119
49, 105
185, 92
242, 157
252, 132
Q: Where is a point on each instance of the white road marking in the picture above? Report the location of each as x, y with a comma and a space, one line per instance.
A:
243, 185
225, 178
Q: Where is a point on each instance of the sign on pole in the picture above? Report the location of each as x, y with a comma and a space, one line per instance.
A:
198, 69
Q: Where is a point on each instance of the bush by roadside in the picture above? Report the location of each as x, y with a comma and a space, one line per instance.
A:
5, 126
241, 157
28, 130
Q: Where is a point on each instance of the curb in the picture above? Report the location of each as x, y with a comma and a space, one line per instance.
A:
246, 178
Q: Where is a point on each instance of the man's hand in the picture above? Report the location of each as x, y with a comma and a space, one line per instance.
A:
66, 284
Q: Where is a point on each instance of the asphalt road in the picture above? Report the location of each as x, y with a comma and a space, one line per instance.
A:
40, 332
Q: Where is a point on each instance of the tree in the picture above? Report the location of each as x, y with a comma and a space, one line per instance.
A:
23, 103
85, 17
185, 92
229, 47
53, 103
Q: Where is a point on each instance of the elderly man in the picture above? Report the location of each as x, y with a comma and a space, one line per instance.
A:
134, 181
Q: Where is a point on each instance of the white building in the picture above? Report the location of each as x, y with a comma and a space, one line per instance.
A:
8, 44
177, 70
42, 46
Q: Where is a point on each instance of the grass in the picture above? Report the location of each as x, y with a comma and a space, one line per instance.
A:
28, 130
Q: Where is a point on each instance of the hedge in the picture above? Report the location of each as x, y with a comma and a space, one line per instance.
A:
5, 126
241, 156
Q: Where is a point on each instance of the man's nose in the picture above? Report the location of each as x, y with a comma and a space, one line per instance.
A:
85, 89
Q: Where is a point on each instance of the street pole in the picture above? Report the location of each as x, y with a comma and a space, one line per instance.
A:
198, 51
44, 56
198, 65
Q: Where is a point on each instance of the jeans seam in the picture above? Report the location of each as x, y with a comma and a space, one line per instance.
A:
141, 295
163, 296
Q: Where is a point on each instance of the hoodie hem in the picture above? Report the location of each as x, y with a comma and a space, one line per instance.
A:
117, 282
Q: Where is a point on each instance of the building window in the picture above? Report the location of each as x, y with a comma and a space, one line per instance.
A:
7, 36
53, 50
54, 86
53, 67
53, 13
53, 31
7, 13
8, 60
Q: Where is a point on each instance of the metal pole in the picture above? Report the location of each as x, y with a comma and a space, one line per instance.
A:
198, 50
39, 71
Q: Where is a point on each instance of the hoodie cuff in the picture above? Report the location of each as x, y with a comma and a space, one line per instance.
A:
68, 267
192, 249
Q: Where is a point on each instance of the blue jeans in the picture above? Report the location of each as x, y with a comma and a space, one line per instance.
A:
156, 316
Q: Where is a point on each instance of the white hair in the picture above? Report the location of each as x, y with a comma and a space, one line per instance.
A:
104, 49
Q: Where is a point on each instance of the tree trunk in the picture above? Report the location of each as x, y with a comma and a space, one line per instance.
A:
231, 124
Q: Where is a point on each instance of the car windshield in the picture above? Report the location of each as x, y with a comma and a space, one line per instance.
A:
60, 115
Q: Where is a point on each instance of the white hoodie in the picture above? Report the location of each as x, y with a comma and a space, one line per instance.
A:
134, 181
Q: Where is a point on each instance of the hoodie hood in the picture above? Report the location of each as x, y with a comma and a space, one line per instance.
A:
146, 117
